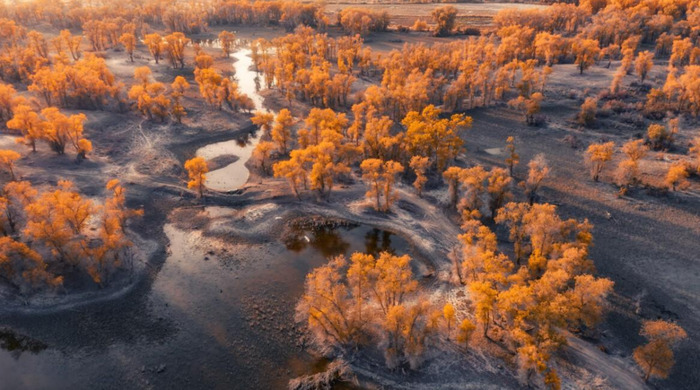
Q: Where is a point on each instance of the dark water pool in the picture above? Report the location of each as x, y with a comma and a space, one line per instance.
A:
201, 322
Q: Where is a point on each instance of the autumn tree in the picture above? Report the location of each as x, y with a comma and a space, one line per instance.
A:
84, 147
27, 122
58, 220
261, 154
7, 101
529, 106
589, 108
520, 300
369, 300
155, 45
597, 155
294, 170
196, 170
282, 130
628, 169
438, 139
60, 130
128, 40
380, 177
512, 157
23, 267
420, 165
175, 45
326, 305
7, 161
264, 121
452, 175
677, 175
179, 86
656, 356
227, 40
586, 52
643, 64
660, 136
538, 170
498, 189
694, 152
444, 18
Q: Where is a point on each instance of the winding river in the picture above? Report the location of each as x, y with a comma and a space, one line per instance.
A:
235, 175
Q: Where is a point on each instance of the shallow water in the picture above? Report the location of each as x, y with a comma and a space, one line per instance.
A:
223, 320
235, 175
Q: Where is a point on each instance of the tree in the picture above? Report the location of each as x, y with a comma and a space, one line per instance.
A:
73, 43
227, 40
537, 172
512, 158
7, 161
370, 300
452, 175
597, 155
27, 122
59, 129
661, 137
196, 170
264, 121
444, 18
282, 130
586, 52
694, 152
448, 312
438, 139
84, 147
677, 175
58, 220
261, 154
154, 43
175, 44
628, 169
325, 305
499, 182
293, 170
128, 40
589, 108
179, 87
419, 165
656, 356
380, 176
23, 267
529, 106
142, 74
7, 101
643, 64
464, 332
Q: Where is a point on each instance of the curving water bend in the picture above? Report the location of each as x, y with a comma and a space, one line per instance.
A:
235, 175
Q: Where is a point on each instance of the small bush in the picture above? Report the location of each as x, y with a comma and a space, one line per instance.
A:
420, 25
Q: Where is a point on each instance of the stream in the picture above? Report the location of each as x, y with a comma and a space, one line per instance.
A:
235, 175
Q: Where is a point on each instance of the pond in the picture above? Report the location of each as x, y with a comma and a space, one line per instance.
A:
207, 320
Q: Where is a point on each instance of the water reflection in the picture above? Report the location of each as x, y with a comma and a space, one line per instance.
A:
17, 344
332, 241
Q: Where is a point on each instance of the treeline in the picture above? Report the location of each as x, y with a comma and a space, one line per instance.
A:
187, 17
